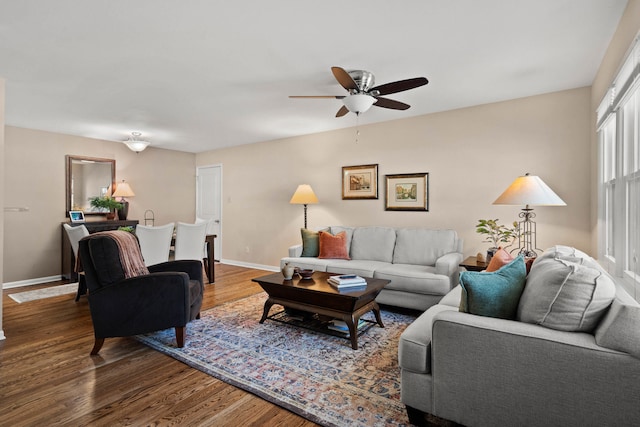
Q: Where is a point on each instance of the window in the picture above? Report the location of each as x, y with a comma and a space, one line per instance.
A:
619, 172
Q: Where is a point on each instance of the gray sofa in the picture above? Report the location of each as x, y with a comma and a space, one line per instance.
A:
484, 371
422, 264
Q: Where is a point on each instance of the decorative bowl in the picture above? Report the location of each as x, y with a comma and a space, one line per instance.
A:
305, 273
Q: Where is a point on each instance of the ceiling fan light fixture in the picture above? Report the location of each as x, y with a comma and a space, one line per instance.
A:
135, 143
358, 103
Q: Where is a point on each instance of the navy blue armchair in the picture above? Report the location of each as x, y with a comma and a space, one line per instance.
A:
169, 296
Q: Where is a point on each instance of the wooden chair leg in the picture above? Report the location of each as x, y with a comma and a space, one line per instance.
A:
180, 336
97, 346
205, 264
82, 286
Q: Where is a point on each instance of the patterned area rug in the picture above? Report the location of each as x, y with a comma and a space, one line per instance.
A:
52, 291
315, 375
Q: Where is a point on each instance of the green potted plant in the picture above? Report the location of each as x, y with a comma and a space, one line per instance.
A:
496, 234
107, 205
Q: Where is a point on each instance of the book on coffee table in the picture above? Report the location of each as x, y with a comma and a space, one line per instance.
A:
347, 281
341, 326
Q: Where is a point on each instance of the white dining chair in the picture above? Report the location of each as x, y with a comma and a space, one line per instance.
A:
155, 242
75, 233
209, 230
190, 239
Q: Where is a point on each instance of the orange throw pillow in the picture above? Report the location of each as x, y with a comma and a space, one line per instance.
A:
500, 259
334, 247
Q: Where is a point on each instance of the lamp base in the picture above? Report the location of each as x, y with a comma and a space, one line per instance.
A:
527, 243
124, 211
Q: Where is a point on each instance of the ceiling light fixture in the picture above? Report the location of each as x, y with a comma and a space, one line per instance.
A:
358, 103
135, 143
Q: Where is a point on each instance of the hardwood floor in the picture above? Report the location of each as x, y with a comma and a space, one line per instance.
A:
48, 378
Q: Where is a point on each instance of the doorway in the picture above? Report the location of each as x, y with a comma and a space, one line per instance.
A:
209, 201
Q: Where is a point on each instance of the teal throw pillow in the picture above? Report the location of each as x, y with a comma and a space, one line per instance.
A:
494, 294
310, 242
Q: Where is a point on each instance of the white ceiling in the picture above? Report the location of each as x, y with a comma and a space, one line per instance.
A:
203, 74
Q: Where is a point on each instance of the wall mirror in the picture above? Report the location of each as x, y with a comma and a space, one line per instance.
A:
88, 177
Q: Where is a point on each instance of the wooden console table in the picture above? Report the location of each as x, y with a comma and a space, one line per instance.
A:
68, 259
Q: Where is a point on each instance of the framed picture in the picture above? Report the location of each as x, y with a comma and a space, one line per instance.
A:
360, 182
407, 192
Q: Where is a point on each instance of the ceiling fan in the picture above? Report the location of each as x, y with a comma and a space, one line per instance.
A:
361, 93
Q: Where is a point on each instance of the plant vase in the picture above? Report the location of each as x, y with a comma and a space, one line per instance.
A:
288, 271
490, 253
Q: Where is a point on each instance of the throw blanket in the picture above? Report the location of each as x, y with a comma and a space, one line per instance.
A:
130, 254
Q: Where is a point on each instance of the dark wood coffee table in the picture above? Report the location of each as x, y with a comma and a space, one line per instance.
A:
316, 295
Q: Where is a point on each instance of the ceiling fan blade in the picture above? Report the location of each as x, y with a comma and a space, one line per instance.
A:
390, 103
344, 78
342, 111
318, 96
399, 86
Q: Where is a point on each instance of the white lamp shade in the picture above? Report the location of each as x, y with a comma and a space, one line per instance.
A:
358, 103
123, 190
304, 195
529, 190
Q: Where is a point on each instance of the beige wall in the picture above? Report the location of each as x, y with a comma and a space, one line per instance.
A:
628, 28
163, 181
471, 155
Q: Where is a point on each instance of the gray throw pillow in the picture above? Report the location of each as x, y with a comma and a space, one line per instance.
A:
565, 295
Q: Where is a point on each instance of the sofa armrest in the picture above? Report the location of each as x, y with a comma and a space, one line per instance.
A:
192, 267
295, 251
449, 265
551, 377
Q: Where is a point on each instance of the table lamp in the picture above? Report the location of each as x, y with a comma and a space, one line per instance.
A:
304, 195
123, 190
528, 190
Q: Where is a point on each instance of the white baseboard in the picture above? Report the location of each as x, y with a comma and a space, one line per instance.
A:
250, 265
29, 282
41, 280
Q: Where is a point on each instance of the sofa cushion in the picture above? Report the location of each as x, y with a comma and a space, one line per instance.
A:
499, 260
567, 292
334, 247
310, 242
361, 267
417, 279
373, 243
335, 229
423, 246
494, 294
618, 330
453, 298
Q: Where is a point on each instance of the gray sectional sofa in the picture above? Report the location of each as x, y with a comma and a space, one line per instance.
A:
570, 358
422, 264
